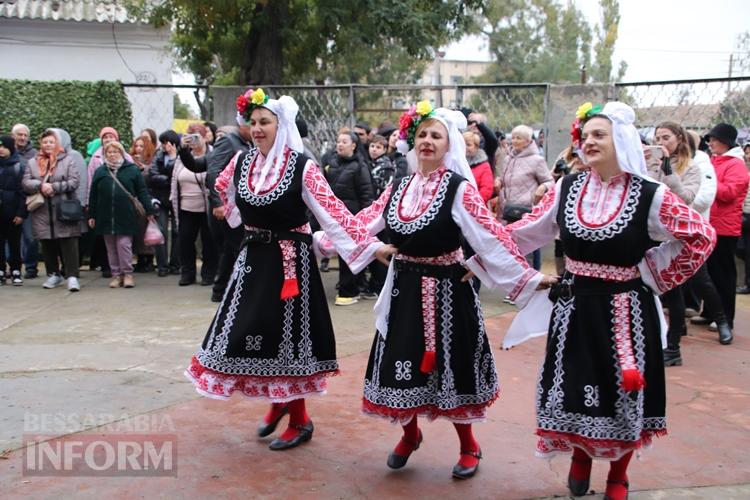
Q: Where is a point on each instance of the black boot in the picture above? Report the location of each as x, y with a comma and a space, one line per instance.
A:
672, 356
725, 333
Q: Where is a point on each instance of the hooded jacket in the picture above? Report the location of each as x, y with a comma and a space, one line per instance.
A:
44, 223
731, 187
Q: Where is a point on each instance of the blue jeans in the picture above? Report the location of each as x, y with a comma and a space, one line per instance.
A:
29, 246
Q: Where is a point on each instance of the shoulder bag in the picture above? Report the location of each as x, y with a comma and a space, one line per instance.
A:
36, 200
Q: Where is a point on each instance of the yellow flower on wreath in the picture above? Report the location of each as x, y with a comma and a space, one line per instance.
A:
424, 108
583, 109
258, 97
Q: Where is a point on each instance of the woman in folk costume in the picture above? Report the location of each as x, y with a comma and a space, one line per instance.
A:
431, 356
626, 238
272, 336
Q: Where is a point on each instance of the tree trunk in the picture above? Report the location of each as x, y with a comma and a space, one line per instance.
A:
263, 62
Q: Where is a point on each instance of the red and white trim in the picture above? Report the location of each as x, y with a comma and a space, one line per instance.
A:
606, 272
551, 443
466, 414
632, 378
217, 385
429, 312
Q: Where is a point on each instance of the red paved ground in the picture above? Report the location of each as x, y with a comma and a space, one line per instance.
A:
219, 455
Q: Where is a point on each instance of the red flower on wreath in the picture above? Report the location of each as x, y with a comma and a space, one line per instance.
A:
242, 104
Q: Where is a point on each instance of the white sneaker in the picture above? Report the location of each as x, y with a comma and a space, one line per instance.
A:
16, 278
712, 327
53, 281
73, 285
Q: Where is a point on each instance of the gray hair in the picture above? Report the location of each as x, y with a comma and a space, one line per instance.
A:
523, 131
19, 126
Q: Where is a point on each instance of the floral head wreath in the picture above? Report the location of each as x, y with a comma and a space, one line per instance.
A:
411, 119
584, 112
250, 100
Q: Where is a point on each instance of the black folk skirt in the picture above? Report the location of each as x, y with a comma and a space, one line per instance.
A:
263, 346
463, 380
580, 400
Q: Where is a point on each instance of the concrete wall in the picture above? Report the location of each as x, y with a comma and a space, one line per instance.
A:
562, 105
71, 50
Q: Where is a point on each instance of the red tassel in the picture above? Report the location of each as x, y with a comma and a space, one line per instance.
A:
290, 289
428, 362
632, 380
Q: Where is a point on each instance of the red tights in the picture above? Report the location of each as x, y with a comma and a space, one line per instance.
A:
297, 418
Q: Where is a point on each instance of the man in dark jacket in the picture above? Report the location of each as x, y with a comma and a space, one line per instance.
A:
159, 183
30, 247
12, 210
213, 163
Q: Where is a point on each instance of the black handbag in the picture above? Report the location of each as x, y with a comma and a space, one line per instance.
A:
69, 210
513, 212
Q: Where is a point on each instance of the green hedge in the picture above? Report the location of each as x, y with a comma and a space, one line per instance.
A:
81, 108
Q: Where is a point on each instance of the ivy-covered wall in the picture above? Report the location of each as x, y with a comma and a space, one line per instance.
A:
81, 108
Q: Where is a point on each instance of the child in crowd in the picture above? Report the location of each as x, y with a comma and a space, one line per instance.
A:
381, 166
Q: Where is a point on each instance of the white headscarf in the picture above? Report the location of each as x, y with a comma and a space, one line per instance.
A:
455, 157
628, 146
285, 108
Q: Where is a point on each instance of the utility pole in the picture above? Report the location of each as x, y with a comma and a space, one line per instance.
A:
731, 63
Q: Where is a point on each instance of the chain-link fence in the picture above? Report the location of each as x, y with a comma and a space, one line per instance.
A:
157, 106
696, 104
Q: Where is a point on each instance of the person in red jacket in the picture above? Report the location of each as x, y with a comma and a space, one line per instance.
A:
726, 214
480, 165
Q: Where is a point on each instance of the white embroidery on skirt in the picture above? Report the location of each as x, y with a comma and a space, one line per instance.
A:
253, 342
403, 370
591, 395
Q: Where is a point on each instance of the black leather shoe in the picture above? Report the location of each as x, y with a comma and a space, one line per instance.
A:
162, 273
265, 429
700, 320
305, 435
186, 280
578, 487
397, 461
216, 296
672, 357
467, 472
207, 281
725, 333
743, 290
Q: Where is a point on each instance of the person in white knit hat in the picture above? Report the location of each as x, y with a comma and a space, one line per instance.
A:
627, 238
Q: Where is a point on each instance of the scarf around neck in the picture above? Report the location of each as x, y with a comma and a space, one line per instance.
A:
48, 162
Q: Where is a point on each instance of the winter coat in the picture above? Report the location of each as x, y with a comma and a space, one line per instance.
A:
523, 173
110, 206
96, 161
83, 182
482, 172
384, 174
731, 187
402, 166
174, 193
706, 194
65, 180
12, 197
685, 186
160, 177
350, 181
27, 153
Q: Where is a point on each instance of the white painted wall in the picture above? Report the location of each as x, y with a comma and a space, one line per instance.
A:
70, 50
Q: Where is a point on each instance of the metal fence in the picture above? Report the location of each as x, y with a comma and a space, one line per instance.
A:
697, 104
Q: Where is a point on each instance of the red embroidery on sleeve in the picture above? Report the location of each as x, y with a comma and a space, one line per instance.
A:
319, 189
694, 231
544, 206
474, 205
